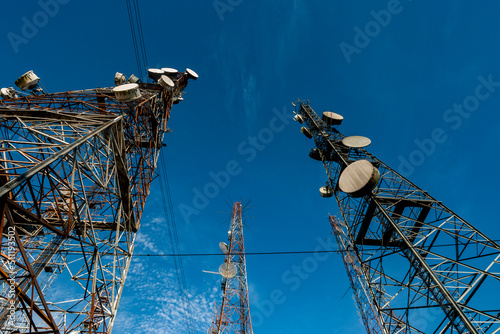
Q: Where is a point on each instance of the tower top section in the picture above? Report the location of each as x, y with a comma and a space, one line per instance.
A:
109, 100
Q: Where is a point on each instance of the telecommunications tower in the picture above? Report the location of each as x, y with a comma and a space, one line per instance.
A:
413, 264
233, 314
75, 171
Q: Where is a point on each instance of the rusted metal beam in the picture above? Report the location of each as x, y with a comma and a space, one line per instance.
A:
22, 295
9, 186
48, 317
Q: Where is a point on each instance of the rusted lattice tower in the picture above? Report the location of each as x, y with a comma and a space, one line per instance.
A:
414, 265
233, 314
75, 171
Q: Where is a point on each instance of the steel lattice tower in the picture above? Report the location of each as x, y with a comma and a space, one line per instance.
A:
233, 314
414, 265
75, 171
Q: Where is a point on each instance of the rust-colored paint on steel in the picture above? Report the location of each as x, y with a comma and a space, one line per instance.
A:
75, 174
234, 312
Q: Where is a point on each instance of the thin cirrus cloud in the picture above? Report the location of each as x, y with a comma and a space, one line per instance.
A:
242, 65
152, 302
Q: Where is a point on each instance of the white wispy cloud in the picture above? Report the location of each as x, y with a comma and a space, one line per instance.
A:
144, 243
153, 303
251, 100
243, 63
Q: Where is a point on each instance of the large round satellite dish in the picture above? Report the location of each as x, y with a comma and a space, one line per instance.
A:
356, 141
28, 80
166, 82
155, 73
228, 270
224, 247
191, 74
332, 118
359, 178
127, 92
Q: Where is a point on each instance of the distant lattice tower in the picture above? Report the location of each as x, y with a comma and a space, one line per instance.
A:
233, 314
75, 171
414, 265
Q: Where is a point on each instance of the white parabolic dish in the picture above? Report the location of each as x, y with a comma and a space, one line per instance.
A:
332, 118
166, 82
224, 248
28, 80
169, 71
127, 92
192, 74
356, 141
359, 178
155, 73
228, 270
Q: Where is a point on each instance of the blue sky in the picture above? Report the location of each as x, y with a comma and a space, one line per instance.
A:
401, 84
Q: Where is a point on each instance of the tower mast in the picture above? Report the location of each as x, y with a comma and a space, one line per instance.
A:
415, 266
75, 172
233, 315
